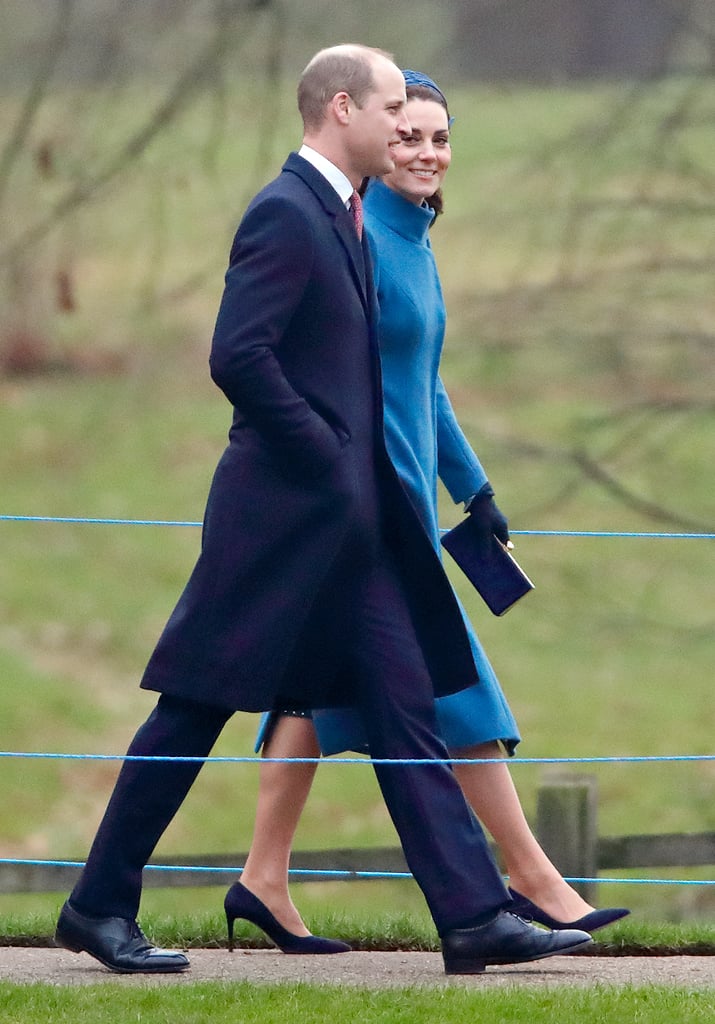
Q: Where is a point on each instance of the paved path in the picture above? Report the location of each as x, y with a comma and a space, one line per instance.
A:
369, 970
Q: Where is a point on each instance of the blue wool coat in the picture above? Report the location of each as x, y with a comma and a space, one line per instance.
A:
424, 441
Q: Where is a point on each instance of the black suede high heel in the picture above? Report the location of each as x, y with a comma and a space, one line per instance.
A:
591, 922
240, 902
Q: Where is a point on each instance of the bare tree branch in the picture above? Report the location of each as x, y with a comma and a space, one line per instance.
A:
596, 473
592, 470
38, 89
658, 406
266, 115
194, 78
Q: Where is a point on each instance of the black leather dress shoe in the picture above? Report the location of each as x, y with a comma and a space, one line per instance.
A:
506, 939
117, 942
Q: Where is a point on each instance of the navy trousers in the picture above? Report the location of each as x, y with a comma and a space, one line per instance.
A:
444, 844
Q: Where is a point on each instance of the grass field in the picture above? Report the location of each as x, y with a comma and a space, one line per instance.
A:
577, 256
218, 1003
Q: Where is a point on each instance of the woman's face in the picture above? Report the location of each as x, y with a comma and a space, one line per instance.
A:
422, 158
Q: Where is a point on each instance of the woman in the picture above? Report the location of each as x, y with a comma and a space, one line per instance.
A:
424, 441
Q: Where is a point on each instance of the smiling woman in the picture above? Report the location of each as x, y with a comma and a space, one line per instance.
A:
423, 157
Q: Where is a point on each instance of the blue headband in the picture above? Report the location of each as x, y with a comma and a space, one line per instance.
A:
418, 78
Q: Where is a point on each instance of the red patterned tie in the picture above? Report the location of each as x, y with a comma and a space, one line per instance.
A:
356, 210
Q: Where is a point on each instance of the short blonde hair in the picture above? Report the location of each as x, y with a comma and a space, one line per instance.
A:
345, 68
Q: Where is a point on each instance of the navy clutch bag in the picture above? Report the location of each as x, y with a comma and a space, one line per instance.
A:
494, 572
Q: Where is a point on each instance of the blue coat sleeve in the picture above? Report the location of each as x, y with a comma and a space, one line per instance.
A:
459, 468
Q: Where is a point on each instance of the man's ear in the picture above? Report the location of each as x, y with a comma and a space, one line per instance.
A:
341, 107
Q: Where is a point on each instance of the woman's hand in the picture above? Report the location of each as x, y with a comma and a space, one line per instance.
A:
486, 517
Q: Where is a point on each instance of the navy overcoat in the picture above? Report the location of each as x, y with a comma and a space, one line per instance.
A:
304, 497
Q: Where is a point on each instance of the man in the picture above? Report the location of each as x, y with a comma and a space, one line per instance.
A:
314, 568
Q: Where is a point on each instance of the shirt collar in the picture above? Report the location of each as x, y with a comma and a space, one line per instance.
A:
334, 175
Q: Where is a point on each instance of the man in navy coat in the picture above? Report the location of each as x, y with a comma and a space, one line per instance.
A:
316, 585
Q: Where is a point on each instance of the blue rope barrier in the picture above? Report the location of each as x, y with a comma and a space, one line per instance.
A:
256, 759
336, 873
613, 533
516, 533
98, 522
253, 759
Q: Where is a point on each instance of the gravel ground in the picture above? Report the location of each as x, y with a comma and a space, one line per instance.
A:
369, 970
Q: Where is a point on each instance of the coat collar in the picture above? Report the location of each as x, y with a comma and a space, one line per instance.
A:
410, 220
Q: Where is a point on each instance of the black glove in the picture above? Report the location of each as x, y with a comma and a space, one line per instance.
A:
486, 517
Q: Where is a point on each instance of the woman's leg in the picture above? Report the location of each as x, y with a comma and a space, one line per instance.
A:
491, 793
282, 791
489, 789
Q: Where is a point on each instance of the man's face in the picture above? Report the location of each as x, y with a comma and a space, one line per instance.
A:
380, 123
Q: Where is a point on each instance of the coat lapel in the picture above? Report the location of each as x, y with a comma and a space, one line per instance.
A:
345, 228
342, 221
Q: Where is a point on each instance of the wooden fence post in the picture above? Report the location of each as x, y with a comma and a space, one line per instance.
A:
567, 828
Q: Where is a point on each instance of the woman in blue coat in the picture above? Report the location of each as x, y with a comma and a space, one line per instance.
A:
425, 443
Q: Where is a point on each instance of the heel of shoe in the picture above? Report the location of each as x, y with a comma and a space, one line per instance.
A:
229, 925
463, 965
241, 903
62, 942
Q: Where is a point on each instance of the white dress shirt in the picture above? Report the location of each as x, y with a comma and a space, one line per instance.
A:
334, 175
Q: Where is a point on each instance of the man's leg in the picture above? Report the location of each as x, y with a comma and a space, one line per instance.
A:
146, 797
99, 918
444, 844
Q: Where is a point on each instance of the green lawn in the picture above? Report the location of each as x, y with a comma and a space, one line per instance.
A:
216, 1003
